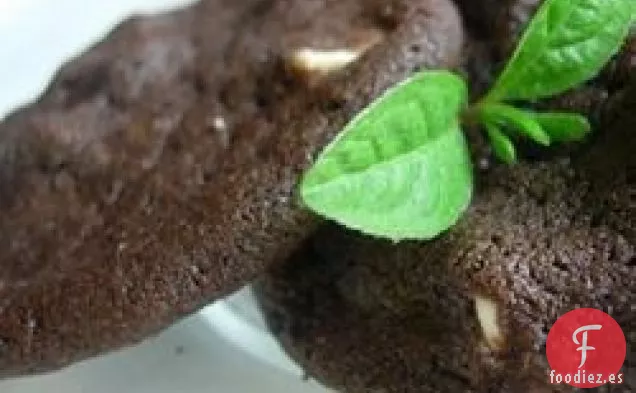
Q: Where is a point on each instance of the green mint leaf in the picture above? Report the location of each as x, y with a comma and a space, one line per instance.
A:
401, 168
502, 146
564, 127
566, 43
518, 119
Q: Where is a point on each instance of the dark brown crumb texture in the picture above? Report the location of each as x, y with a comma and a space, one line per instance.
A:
541, 238
157, 173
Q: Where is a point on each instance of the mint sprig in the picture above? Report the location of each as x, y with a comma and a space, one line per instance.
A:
401, 168
402, 158
563, 127
515, 119
502, 146
566, 43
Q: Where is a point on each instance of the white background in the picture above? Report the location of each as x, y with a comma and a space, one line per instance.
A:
36, 36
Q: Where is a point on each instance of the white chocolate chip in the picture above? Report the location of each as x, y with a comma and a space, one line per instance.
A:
323, 61
488, 317
219, 123
330, 53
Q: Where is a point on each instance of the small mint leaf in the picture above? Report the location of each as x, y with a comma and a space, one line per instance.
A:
564, 127
566, 43
401, 168
518, 119
502, 146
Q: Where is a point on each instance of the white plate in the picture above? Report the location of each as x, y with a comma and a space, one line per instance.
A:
215, 351
223, 349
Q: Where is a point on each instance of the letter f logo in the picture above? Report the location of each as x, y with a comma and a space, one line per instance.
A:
583, 345
573, 332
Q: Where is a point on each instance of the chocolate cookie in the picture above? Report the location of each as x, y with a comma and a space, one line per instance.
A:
158, 171
470, 311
